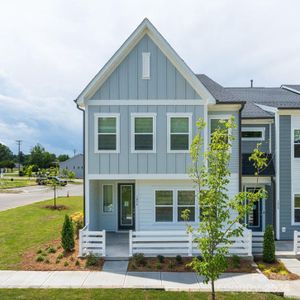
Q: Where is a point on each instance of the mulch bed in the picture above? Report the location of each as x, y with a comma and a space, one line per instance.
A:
57, 261
171, 265
276, 271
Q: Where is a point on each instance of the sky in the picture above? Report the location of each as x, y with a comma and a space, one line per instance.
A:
50, 50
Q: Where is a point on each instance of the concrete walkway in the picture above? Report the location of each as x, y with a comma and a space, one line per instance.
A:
119, 278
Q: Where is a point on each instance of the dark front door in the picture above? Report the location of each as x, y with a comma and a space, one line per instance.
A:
126, 206
254, 218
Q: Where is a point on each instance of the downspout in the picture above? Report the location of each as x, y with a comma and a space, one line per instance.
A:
83, 144
273, 181
240, 147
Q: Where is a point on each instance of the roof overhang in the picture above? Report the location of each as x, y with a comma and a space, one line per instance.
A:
146, 27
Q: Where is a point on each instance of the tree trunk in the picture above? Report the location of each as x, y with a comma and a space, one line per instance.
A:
54, 196
213, 293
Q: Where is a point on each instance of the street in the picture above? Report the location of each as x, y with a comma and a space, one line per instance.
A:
31, 194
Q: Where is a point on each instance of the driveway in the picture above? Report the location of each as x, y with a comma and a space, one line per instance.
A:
31, 194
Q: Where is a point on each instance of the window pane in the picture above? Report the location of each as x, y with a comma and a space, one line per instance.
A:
297, 201
107, 198
297, 150
163, 197
191, 214
179, 125
143, 142
164, 214
143, 125
297, 215
251, 134
107, 125
186, 197
297, 136
107, 142
214, 124
179, 142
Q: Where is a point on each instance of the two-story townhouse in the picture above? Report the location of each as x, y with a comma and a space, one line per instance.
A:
140, 114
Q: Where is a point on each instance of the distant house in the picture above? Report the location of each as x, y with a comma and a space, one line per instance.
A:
74, 164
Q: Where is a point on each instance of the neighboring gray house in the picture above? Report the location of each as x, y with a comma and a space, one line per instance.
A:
140, 112
74, 164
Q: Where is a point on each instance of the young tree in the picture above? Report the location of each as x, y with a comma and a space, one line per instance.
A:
218, 224
54, 183
63, 157
67, 235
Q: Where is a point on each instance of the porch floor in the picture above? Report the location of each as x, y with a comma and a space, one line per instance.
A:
117, 245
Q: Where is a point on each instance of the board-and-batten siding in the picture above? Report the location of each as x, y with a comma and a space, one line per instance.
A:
126, 81
249, 146
126, 162
145, 206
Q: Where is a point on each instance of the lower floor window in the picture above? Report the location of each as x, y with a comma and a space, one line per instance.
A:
169, 205
297, 208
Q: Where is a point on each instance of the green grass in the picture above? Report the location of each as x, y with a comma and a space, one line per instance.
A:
128, 294
30, 226
7, 183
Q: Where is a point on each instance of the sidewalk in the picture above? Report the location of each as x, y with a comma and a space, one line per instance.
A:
171, 281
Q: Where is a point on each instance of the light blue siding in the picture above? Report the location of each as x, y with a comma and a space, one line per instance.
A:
126, 162
126, 81
249, 146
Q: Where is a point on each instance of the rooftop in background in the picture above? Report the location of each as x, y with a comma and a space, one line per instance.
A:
292, 87
249, 170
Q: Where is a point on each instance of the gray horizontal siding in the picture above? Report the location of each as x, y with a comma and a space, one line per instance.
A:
126, 80
126, 162
249, 146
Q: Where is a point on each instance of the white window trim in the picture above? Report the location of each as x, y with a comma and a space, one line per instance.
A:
132, 131
178, 115
112, 187
255, 129
218, 117
107, 115
293, 209
146, 65
175, 206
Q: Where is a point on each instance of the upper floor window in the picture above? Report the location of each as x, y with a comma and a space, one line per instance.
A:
297, 143
107, 133
179, 132
218, 122
253, 134
143, 132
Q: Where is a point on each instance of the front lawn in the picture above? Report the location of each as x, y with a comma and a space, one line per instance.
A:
94, 294
31, 226
8, 183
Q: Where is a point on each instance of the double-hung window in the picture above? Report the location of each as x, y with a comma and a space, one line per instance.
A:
296, 142
107, 133
179, 132
164, 206
107, 198
186, 200
143, 127
253, 134
297, 208
217, 122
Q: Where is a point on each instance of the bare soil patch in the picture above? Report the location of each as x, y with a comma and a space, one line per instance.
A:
51, 257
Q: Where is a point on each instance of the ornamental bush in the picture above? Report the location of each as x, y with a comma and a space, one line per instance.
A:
67, 235
269, 245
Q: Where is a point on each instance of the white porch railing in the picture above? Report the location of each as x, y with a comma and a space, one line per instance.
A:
152, 243
91, 242
296, 242
257, 242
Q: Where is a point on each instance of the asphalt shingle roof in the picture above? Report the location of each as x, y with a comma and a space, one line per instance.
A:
295, 87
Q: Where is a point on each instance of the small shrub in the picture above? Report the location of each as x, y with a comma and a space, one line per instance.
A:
39, 251
200, 258
139, 259
261, 266
91, 260
160, 258
77, 263
158, 266
274, 269
67, 235
72, 258
178, 259
47, 261
171, 265
66, 264
44, 254
39, 258
57, 261
283, 272
77, 219
51, 250
60, 256
133, 266
148, 266
269, 245
236, 261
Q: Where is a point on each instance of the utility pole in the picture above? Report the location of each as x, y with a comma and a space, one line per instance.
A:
19, 142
